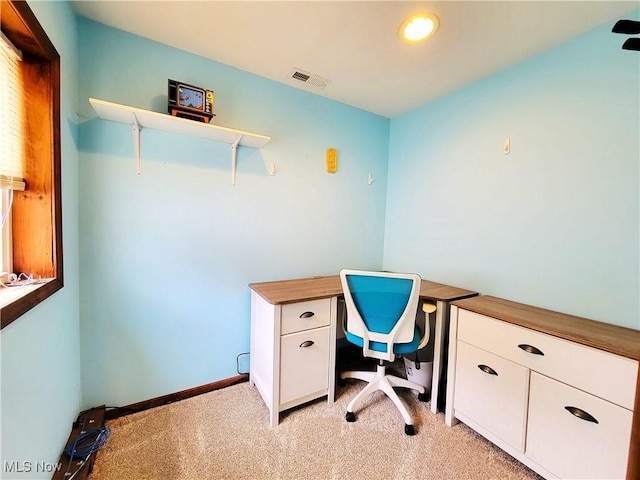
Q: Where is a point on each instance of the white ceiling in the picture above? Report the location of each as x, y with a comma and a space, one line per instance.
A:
355, 44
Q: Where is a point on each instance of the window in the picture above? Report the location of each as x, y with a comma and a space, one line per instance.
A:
32, 240
11, 116
6, 260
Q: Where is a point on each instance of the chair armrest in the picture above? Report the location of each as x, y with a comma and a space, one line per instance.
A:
427, 308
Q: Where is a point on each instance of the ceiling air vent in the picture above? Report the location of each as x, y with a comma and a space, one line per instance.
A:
309, 78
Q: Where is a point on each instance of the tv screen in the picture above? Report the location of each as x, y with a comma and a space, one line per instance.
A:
190, 97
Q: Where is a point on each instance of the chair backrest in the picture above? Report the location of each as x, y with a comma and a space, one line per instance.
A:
381, 307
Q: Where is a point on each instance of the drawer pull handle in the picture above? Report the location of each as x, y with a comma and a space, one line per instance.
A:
488, 370
306, 343
530, 349
577, 412
307, 315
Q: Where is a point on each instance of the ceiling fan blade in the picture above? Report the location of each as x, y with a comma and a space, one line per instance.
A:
630, 27
631, 44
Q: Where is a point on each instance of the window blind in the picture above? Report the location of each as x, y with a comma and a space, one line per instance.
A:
11, 117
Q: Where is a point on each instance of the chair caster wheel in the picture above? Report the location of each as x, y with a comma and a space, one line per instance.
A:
409, 430
424, 397
351, 417
341, 382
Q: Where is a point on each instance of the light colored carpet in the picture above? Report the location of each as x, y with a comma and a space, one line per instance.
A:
226, 435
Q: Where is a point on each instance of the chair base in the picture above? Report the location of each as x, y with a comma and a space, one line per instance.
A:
379, 380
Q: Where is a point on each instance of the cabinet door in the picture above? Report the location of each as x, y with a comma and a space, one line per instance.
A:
492, 392
572, 445
304, 364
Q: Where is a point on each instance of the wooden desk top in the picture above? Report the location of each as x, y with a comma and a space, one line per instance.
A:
303, 289
604, 336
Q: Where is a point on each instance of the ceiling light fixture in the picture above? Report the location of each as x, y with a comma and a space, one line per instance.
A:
419, 27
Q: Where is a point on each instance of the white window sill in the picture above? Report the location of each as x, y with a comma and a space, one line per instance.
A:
11, 294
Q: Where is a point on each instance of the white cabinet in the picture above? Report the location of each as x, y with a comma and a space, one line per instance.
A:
554, 391
584, 367
304, 364
493, 391
292, 352
575, 434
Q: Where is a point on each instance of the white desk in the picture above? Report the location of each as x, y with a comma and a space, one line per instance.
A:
280, 358
535, 381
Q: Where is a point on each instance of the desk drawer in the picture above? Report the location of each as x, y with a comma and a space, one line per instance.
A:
570, 446
304, 365
492, 392
300, 316
600, 373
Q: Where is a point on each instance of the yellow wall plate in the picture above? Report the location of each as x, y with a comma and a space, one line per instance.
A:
332, 160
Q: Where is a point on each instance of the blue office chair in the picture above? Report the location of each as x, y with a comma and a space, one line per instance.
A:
381, 311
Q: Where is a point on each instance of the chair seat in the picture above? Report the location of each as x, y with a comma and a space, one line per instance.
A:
399, 348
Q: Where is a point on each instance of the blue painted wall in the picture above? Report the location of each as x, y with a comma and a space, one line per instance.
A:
166, 257
41, 350
555, 222
157, 266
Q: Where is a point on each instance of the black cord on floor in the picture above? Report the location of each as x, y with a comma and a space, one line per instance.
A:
238, 363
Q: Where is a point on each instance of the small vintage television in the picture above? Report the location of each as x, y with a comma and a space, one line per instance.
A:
189, 101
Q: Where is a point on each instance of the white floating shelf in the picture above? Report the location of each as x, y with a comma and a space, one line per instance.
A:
139, 119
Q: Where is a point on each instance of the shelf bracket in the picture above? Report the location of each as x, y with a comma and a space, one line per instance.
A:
234, 158
135, 129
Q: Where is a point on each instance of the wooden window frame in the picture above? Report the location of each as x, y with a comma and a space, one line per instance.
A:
36, 212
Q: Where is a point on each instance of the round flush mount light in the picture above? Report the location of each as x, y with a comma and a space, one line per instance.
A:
419, 27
